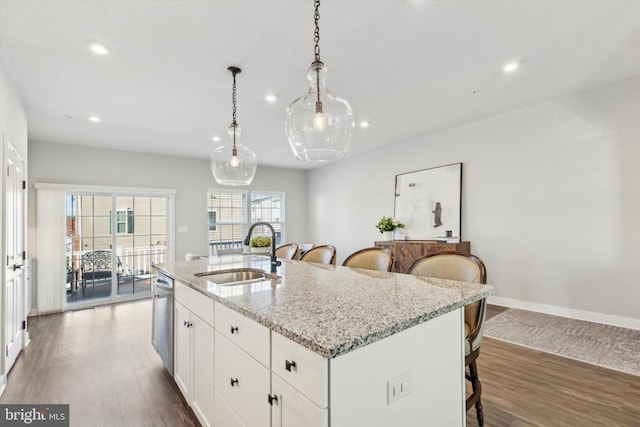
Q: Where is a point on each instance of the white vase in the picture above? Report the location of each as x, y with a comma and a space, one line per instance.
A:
387, 236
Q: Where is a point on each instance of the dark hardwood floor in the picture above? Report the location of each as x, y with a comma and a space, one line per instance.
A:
100, 361
523, 387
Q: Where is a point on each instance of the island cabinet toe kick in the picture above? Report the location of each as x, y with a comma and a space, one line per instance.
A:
412, 378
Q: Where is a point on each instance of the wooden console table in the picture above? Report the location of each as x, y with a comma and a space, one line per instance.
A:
405, 252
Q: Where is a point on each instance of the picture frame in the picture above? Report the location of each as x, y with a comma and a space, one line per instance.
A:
428, 203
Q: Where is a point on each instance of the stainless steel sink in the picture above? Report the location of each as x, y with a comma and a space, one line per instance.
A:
237, 276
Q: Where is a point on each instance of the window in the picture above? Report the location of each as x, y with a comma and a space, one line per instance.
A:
229, 225
230, 213
124, 221
212, 219
268, 207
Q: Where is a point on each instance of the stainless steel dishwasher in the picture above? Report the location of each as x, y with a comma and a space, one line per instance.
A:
162, 329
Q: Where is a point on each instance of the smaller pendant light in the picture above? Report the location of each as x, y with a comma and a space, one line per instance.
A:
233, 163
319, 124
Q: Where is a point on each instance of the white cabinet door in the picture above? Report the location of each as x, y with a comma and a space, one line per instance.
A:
202, 351
243, 383
292, 409
223, 415
182, 350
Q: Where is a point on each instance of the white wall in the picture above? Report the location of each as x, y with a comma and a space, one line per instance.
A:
551, 198
72, 164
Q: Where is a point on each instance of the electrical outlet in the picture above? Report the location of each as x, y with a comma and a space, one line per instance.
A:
398, 387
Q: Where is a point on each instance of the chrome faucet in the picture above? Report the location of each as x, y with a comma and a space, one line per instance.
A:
274, 260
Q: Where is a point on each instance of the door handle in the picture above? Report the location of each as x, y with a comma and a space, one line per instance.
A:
17, 266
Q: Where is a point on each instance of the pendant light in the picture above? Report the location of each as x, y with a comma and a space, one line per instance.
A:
233, 163
319, 124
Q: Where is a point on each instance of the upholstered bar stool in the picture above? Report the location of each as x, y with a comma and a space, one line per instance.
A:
372, 258
325, 254
288, 251
467, 268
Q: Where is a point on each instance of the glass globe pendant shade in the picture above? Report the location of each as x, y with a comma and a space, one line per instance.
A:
233, 166
319, 131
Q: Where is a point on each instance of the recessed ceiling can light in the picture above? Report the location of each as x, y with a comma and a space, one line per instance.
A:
95, 119
98, 48
216, 138
510, 67
271, 98
365, 124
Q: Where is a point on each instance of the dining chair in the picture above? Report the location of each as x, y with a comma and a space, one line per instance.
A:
288, 251
324, 254
467, 268
373, 258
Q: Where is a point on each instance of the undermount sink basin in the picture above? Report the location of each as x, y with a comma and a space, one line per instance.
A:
237, 276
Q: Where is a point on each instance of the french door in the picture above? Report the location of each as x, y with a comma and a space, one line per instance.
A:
14, 289
112, 241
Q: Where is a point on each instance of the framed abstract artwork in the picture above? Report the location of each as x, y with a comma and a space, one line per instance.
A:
428, 202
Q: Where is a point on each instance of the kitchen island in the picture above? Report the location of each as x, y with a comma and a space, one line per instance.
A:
319, 345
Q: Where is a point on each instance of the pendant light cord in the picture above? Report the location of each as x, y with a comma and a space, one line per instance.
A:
316, 50
316, 34
233, 100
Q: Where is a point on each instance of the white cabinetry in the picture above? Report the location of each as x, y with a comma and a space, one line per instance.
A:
299, 380
255, 377
292, 408
194, 349
242, 376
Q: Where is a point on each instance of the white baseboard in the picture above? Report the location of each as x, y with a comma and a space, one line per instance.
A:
590, 316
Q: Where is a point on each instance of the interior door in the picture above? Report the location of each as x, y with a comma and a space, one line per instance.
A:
15, 235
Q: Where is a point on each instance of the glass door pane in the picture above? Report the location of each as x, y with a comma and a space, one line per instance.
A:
89, 258
140, 240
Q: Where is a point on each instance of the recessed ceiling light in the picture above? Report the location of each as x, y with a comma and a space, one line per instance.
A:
365, 124
216, 138
510, 67
98, 48
95, 119
272, 97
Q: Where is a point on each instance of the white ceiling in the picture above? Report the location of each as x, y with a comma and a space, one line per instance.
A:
410, 67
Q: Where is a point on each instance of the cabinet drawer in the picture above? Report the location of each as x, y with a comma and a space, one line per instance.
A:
250, 336
243, 383
293, 409
303, 369
196, 302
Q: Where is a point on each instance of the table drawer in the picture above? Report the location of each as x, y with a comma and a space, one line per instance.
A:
247, 334
305, 370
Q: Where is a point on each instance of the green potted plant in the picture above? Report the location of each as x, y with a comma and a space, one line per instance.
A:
387, 225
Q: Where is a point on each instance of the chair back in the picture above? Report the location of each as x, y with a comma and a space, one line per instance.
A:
98, 260
463, 267
325, 254
288, 251
373, 258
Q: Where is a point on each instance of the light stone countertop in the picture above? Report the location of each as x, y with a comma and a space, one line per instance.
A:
329, 309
